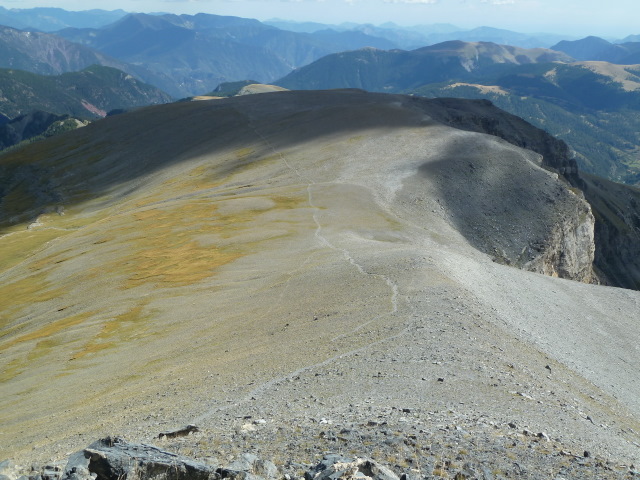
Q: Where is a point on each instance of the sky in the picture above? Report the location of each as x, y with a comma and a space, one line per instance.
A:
612, 18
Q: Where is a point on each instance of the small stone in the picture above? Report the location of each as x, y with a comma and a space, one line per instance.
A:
512, 425
587, 454
181, 432
543, 436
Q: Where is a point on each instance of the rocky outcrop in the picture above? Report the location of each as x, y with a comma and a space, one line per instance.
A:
504, 205
471, 461
615, 208
334, 467
569, 250
115, 459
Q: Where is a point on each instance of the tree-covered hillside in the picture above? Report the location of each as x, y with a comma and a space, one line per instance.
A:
90, 93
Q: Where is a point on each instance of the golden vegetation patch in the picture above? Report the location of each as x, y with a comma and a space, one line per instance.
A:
48, 330
162, 249
19, 246
167, 254
243, 153
20, 242
18, 295
175, 246
121, 328
47, 340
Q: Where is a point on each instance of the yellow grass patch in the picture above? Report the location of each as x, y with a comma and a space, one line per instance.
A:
163, 249
122, 327
19, 246
175, 246
48, 330
18, 295
625, 75
47, 338
243, 153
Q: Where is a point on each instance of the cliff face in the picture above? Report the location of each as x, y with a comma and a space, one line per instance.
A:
607, 229
560, 242
569, 250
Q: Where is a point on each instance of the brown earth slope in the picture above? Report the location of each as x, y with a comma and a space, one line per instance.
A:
297, 256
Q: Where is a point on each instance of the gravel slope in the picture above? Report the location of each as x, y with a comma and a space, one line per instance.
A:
301, 256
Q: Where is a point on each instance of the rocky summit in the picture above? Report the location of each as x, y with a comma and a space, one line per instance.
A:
298, 274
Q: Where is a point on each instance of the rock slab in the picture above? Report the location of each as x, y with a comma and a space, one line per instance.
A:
115, 459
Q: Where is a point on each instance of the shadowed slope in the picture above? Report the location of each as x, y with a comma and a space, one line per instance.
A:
196, 261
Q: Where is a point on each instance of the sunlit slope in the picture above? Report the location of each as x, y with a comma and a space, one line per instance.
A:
171, 261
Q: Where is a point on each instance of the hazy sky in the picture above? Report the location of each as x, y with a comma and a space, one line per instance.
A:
613, 18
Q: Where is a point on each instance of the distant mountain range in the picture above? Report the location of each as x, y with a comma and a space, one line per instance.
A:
593, 106
197, 53
52, 19
47, 54
417, 36
596, 48
397, 70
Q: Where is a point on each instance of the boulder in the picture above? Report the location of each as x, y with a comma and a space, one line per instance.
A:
249, 467
334, 467
116, 459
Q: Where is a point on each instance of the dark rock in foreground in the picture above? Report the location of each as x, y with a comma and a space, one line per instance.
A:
115, 459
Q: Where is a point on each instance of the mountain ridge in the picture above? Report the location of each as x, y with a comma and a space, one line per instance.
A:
401, 70
242, 48
273, 249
